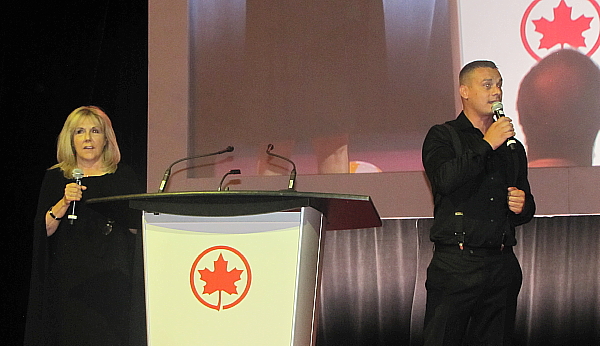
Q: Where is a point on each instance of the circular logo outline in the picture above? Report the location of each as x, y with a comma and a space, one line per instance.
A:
248, 274
524, 33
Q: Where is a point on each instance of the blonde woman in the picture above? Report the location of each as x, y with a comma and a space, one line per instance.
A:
82, 270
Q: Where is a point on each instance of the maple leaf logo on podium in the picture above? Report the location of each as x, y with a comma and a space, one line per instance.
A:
220, 279
552, 24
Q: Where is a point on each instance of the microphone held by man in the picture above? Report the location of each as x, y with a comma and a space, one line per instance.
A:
498, 110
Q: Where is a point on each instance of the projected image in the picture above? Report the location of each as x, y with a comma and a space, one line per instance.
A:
353, 86
338, 86
547, 53
559, 109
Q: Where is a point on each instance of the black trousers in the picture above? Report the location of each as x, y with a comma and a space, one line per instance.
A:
471, 297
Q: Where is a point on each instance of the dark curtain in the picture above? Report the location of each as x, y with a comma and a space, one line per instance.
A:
54, 57
560, 298
373, 285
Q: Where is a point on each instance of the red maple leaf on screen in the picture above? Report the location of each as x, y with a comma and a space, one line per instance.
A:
562, 30
220, 279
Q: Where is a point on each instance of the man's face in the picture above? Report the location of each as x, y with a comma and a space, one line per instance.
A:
482, 88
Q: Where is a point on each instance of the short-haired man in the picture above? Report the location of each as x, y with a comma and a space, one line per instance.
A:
481, 192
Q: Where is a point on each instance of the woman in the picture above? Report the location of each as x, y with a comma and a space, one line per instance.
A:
83, 267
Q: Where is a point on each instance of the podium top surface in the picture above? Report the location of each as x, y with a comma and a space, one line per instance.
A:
342, 211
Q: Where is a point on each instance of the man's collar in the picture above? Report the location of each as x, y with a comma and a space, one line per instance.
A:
462, 122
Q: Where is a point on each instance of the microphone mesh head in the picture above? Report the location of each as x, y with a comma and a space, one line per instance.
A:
497, 106
77, 173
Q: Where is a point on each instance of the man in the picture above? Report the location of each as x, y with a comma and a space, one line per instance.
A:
481, 193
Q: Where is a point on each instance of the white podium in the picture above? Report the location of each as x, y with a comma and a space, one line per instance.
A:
238, 267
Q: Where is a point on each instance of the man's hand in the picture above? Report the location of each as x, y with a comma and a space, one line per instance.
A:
516, 200
499, 131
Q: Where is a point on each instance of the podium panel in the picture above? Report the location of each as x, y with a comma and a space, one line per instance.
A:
232, 280
237, 267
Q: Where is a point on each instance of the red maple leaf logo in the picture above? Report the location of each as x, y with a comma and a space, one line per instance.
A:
220, 279
562, 30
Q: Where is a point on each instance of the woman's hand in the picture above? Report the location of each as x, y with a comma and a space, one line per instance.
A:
73, 192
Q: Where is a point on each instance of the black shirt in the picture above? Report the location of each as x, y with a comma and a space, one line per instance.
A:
470, 188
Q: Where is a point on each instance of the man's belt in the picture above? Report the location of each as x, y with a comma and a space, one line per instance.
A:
475, 251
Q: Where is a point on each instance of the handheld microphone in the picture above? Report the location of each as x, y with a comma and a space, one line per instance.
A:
77, 175
498, 110
167, 174
292, 173
233, 171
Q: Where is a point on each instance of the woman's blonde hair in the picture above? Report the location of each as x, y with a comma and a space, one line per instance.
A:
65, 151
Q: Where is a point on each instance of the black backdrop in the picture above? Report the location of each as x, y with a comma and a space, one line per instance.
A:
57, 56
54, 57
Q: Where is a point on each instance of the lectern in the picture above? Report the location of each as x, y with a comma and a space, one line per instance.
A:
238, 267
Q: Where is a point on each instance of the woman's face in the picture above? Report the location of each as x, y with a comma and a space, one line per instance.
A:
89, 141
